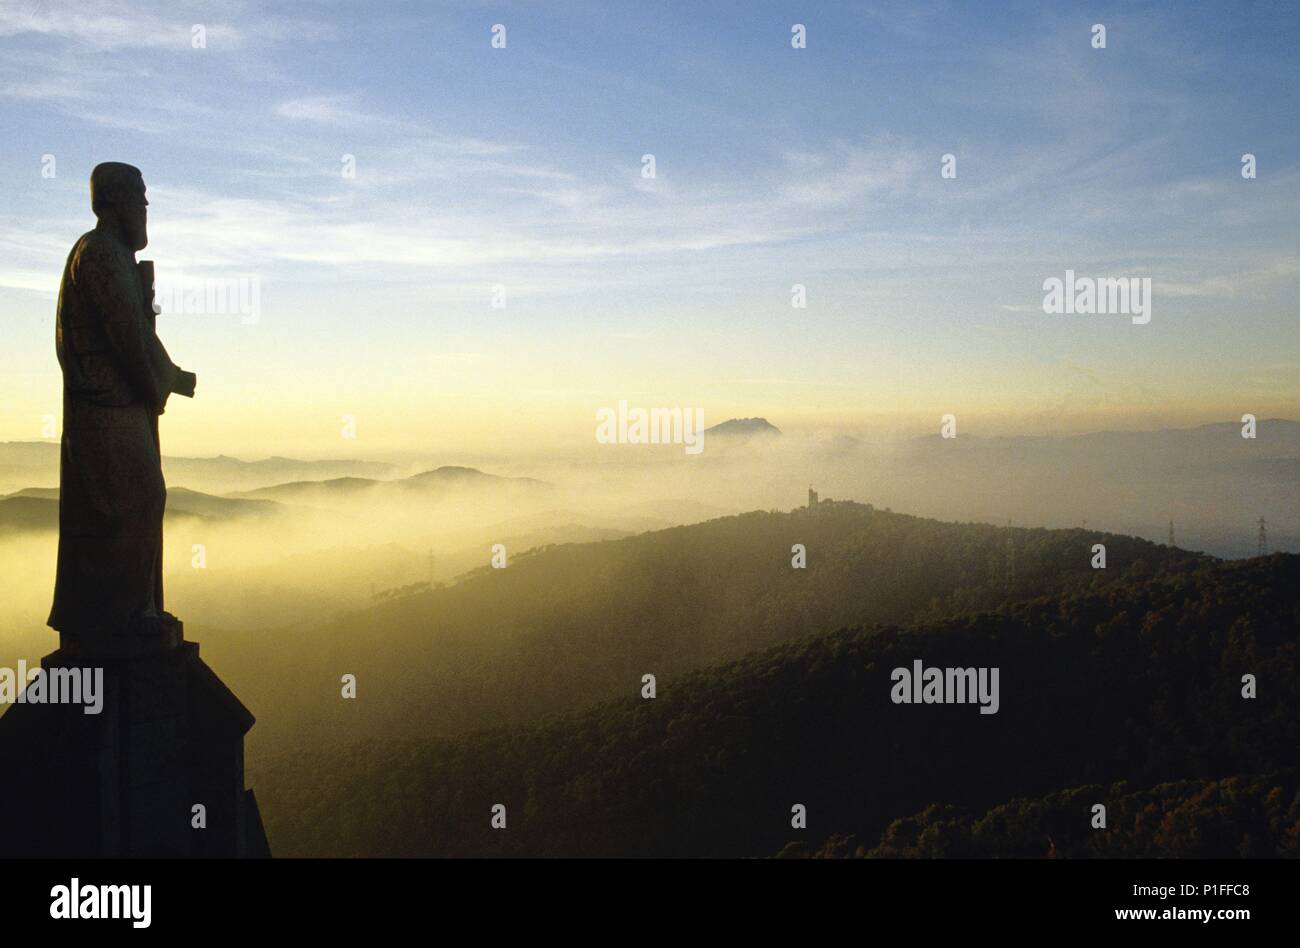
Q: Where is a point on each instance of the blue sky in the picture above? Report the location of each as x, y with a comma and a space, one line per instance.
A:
521, 167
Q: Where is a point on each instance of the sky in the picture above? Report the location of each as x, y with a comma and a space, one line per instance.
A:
520, 170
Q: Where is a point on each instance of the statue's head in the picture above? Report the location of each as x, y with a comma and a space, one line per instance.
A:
117, 198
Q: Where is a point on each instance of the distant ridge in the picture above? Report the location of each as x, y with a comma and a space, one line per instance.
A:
453, 474
743, 427
32, 463
37, 453
37, 508
448, 477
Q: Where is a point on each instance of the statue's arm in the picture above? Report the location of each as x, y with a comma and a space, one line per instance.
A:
111, 284
167, 371
184, 384
172, 378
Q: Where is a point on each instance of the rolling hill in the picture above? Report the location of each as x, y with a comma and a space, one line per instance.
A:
743, 428
37, 462
571, 624
1251, 817
36, 509
1139, 681
441, 483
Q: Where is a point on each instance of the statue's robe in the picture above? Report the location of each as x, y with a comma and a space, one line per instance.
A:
116, 379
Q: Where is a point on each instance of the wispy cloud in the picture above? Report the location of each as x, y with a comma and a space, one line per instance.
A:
110, 26
1237, 283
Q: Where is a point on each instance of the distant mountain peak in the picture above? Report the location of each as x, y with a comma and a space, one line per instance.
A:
458, 474
743, 426
453, 472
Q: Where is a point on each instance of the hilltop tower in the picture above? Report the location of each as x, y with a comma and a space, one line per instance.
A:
812, 498
1263, 539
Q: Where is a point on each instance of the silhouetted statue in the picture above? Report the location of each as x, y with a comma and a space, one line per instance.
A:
168, 735
108, 593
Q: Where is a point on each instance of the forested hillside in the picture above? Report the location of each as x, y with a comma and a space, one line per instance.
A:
1251, 817
562, 627
1138, 681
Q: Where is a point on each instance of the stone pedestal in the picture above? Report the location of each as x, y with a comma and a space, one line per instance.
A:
125, 782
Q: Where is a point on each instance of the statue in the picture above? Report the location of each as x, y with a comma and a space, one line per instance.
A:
122, 780
108, 594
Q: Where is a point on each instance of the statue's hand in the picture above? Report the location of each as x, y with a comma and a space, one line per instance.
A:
185, 382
